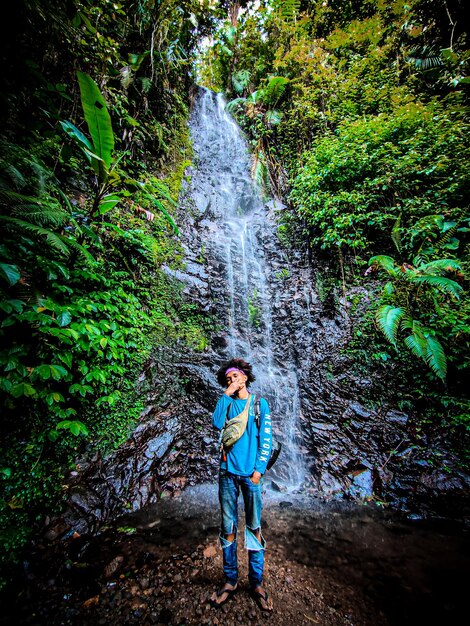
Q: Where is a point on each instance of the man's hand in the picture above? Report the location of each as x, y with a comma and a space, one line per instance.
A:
234, 387
255, 477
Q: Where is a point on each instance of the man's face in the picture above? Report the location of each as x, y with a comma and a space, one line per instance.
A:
236, 377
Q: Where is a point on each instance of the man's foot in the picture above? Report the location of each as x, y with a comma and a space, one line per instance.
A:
262, 599
220, 597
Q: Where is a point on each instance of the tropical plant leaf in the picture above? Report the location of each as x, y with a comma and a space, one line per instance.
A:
260, 172
97, 117
435, 356
241, 80
234, 105
440, 265
425, 346
425, 58
55, 240
274, 89
45, 211
10, 272
416, 341
396, 234
388, 320
108, 202
76, 134
163, 211
385, 262
158, 187
73, 243
273, 117
287, 9
441, 283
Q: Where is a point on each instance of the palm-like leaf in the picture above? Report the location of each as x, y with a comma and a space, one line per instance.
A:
241, 80
43, 211
388, 319
439, 266
23, 227
234, 105
385, 262
425, 346
287, 9
425, 58
445, 285
274, 89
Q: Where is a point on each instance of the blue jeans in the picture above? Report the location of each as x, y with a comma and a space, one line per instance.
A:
229, 489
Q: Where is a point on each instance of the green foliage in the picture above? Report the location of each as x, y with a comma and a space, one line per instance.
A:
354, 186
365, 139
254, 312
83, 302
99, 154
421, 290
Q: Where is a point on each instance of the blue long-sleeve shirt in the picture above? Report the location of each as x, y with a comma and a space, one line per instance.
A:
252, 451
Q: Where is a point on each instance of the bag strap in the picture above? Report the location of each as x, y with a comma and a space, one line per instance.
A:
257, 412
250, 397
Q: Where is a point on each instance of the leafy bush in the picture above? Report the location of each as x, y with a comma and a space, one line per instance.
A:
356, 184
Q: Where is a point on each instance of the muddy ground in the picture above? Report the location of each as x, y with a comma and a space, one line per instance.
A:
328, 563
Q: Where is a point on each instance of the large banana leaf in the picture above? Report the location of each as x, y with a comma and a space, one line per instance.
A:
97, 117
84, 143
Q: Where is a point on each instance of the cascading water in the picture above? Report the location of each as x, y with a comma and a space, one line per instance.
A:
237, 224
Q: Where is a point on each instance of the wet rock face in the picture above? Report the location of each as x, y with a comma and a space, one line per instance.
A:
169, 450
351, 450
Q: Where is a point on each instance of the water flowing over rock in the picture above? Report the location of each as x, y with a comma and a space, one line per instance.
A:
271, 309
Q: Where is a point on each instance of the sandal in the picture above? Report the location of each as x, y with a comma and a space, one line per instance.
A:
259, 598
220, 592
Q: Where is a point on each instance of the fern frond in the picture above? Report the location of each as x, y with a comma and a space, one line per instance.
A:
396, 234
445, 285
259, 171
435, 356
440, 265
241, 80
415, 342
424, 345
274, 89
273, 117
388, 320
83, 252
425, 58
54, 240
16, 178
385, 262
287, 9
42, 211
234, 105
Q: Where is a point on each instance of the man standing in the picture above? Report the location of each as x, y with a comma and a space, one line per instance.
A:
242, 466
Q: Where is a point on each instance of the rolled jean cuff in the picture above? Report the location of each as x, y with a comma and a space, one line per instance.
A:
252, 543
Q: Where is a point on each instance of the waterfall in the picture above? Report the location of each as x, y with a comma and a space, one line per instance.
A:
236, 225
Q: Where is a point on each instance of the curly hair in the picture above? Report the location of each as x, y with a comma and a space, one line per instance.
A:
239, 364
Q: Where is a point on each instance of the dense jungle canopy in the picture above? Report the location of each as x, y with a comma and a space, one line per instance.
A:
356, 114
